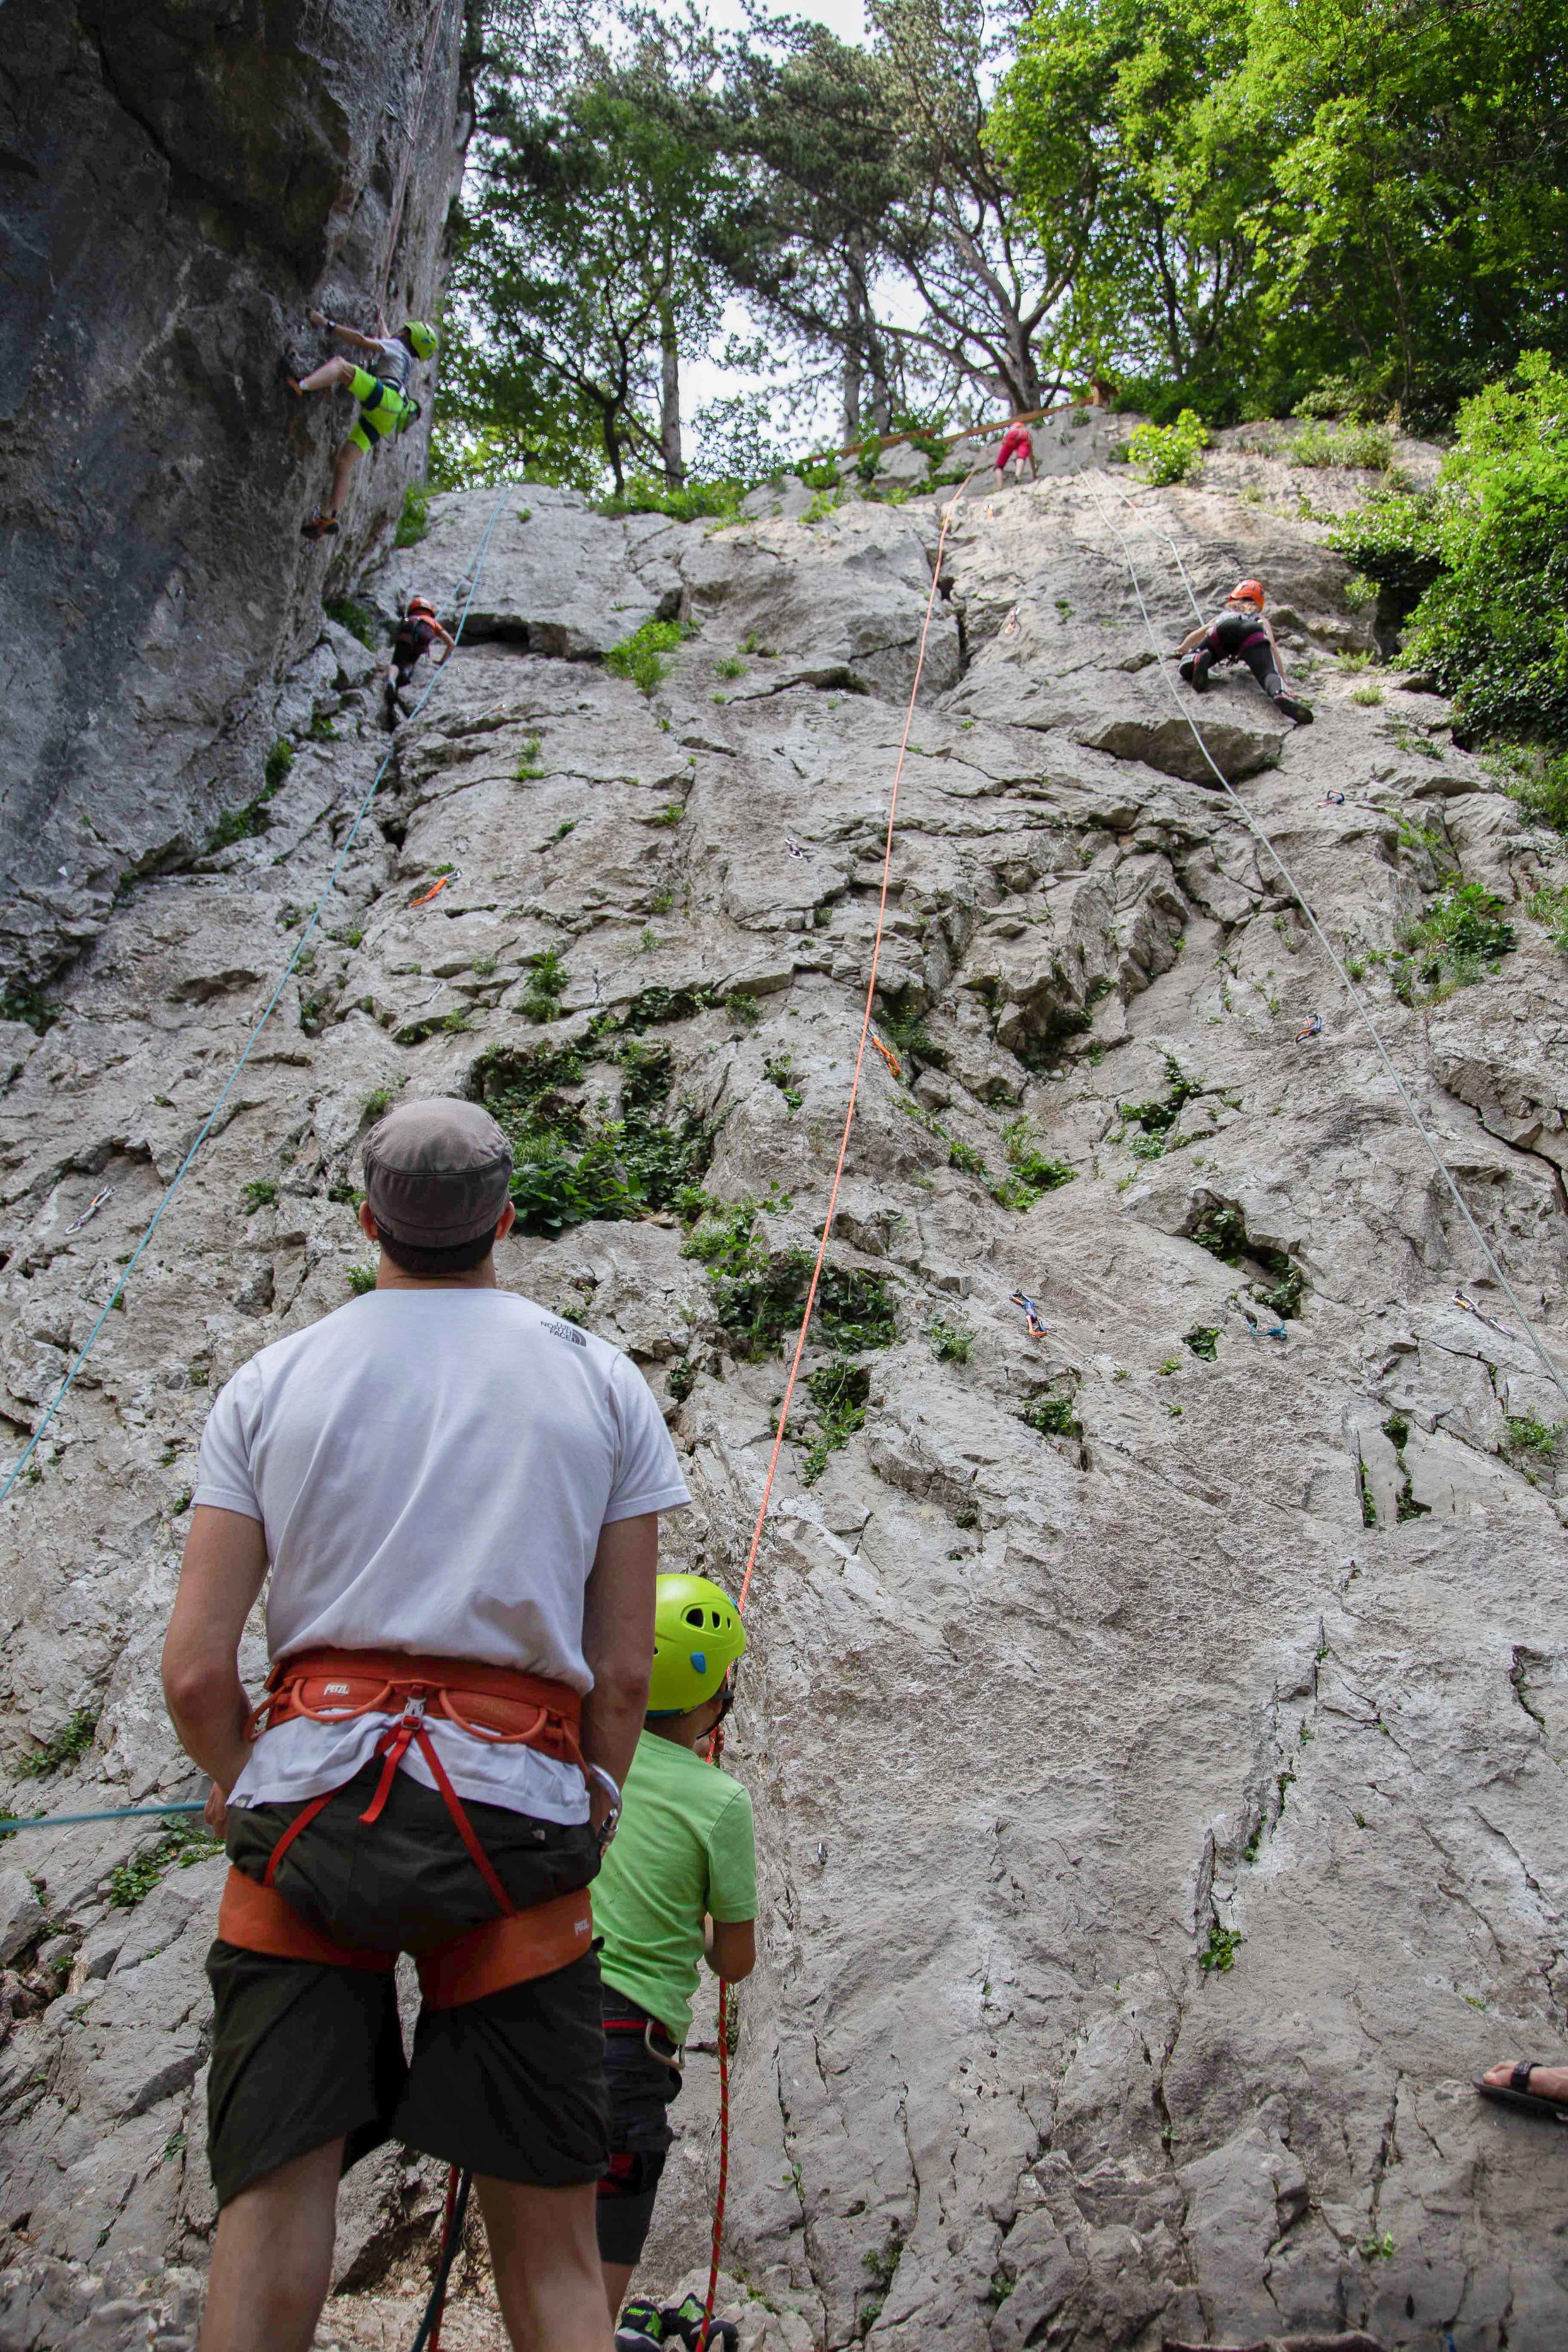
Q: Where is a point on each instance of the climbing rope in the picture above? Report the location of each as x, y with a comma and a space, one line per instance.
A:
866, 1038
287, 972
1260, 834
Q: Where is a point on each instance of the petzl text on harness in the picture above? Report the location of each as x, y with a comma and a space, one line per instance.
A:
495, 1703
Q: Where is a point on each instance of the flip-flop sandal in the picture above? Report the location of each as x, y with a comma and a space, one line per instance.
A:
1516, 2092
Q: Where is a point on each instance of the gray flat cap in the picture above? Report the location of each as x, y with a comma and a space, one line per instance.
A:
437, 1172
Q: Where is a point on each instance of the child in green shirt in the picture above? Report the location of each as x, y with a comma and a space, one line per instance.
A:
678, 1885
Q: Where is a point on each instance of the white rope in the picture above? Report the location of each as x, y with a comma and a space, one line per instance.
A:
206, 1126
1296, 891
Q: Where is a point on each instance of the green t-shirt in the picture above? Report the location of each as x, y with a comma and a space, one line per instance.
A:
684, 1847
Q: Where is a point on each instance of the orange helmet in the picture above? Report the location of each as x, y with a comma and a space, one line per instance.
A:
420, 604
1252, 590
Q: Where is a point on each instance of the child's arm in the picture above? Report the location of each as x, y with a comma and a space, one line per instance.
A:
349, 334
729, 1947
450, 641
1278, 656
1193, 637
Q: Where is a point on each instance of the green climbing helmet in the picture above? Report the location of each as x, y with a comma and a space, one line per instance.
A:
696, 1637
420, 336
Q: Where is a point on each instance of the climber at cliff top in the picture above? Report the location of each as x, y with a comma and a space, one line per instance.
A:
1240, 633
386, 404
1017, 445
457, 1495
680, 1883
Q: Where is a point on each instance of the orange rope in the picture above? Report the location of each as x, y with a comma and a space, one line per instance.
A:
716, 1749
866, 1038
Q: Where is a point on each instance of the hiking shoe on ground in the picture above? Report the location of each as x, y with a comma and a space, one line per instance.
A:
1293, 709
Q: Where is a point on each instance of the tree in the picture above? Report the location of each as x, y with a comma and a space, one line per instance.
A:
581, 264
1145, 196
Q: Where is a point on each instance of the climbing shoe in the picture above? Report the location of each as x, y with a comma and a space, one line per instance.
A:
685, 2320
319, 526
1293, 709
293, 367
641, 2325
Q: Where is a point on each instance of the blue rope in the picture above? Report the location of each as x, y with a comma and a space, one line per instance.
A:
113, 1813
59, 1398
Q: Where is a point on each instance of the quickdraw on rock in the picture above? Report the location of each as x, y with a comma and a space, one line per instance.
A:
1034, 1321
888, 1055
794, 848
98, 1200
1482, 1317
1314, 1028
1010, 626
422, 898
1257, 1330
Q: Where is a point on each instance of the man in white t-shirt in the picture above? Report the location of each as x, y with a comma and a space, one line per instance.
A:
456, 1495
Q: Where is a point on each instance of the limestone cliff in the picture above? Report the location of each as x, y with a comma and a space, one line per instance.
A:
1156, 1727
181, 183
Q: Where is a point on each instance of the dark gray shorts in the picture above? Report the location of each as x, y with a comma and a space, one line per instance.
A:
511, 2086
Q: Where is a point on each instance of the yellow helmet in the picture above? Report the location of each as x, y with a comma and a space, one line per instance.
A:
696, 1637
421, 337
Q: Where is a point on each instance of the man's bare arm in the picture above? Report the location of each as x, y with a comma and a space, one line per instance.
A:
729, 1947
224, 1569
617, 1641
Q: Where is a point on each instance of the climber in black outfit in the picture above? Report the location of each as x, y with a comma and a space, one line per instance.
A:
417, 630
1240, 634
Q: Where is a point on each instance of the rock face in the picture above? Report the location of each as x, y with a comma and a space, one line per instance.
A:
180, 187
1156, 1726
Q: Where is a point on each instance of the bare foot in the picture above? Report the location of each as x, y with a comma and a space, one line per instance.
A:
1545, 2082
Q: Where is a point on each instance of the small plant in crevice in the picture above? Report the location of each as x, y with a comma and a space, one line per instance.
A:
960, 1155
68, 1746
907, 1035
951, 1343
731, 667
177, 1849
1221, 1228
360, 1279
356, 618
1549, 907
1052, 1416
682, 1379
546, 986
413, 522
259, 1193
1155, 1119
839, 1392
742, 1009
1460, 939
1031, 1171
1218, 1955
245, 824
672, 813
642, 656
1204, 1341
571, 1164
1528, 1435
530, 768
779, 1070
758, 1293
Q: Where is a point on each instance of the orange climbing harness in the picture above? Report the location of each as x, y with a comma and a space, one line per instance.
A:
490, 1703
867, 1037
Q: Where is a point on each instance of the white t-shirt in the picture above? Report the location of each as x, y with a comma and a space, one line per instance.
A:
432, 1469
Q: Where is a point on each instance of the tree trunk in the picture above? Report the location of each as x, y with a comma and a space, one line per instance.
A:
669, 404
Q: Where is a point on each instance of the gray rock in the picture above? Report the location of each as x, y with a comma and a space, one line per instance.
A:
21, 1913
1089, 1660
